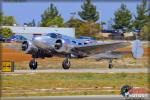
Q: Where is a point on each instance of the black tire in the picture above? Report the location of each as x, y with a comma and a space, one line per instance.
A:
33, 65
66, 64
110, 66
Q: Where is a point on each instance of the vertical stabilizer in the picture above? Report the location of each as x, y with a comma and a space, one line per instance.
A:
137, 49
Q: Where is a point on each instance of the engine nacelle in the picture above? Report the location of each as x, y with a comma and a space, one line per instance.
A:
28, 47
62, 46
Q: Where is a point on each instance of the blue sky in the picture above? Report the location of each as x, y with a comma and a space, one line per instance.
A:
26, 11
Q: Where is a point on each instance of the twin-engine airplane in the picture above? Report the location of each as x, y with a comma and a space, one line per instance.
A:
54, 44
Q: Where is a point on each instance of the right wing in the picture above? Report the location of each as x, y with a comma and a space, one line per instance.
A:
99, 48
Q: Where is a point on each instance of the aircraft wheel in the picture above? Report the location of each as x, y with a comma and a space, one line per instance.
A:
33, 65
110, 66
66, 64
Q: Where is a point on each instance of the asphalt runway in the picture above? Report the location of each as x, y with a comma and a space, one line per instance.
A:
100, 97
114, 70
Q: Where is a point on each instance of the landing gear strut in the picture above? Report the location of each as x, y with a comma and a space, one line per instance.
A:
110, 64
33, 64
66, 63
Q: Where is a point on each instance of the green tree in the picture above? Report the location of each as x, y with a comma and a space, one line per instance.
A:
51, 17
1, 17
73, 23
6, 32
122, 18
83, 28
88, 12
76, 23
8, 20
142, 15
88, 29
145, 32
33, 23
58, 21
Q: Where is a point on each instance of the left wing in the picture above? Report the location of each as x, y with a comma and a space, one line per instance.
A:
99, 48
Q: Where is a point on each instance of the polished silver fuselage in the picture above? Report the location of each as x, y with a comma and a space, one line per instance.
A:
57, 44
47, 43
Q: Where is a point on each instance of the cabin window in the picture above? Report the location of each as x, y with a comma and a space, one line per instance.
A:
79, 43
74, 42
35, 35
85, 43
53, 35
59, 36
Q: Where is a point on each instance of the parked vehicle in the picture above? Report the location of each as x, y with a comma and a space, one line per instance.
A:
16, 38
2, 38
119, 31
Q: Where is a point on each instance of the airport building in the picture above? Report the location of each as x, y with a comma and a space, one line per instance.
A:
30, 32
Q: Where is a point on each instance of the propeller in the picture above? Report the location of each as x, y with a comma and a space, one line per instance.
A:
58, 44
25, 46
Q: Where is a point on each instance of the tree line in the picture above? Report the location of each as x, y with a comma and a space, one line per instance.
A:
6, 20
88, 24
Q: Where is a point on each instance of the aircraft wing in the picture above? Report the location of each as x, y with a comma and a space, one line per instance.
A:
107, 55
99, 48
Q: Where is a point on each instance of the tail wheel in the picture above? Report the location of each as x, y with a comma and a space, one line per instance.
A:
110, 66
66, 64
33, 65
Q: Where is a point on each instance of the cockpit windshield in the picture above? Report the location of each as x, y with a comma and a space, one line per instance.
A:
54, 35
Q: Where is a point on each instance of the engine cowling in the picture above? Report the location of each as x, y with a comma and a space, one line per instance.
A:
62, 46
28, 47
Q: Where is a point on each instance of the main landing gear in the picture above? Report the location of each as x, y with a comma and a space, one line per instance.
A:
110, 64
66, 63
33, 64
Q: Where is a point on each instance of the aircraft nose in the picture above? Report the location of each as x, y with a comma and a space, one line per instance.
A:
37, 39
39, 42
